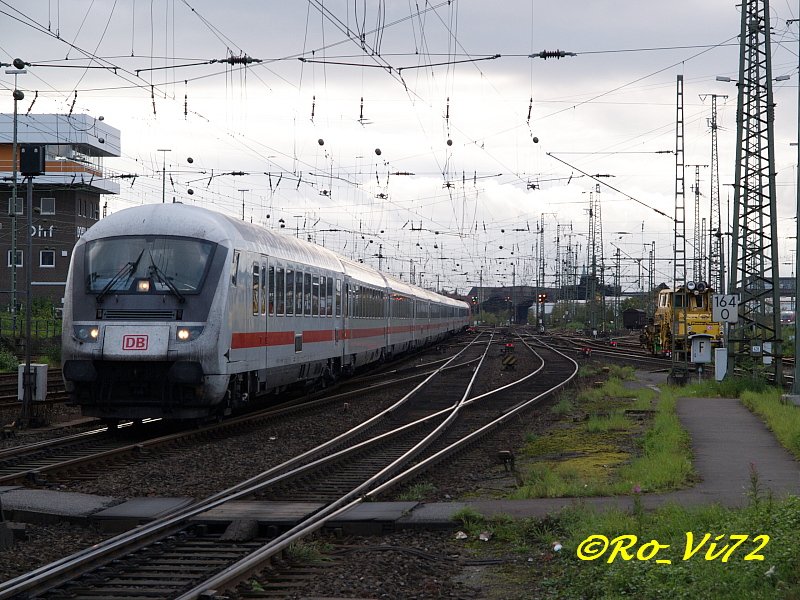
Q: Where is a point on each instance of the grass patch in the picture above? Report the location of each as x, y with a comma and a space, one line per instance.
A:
666, 460
313, 551
782, 419
625, 373
417, 492
695, 577
563, 575
617, 421
562, 407
603, 451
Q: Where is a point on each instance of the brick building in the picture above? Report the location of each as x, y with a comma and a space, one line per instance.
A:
67, 198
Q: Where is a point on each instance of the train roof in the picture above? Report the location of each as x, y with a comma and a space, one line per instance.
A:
363, 273
187, 220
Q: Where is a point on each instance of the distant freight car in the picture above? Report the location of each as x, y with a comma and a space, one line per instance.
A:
634, 318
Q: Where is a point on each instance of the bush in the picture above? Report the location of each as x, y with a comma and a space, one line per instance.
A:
8, 361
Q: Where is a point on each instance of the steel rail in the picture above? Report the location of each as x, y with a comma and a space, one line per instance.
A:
64, 569
253, 561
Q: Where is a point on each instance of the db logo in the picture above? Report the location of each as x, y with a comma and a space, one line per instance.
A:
134, 342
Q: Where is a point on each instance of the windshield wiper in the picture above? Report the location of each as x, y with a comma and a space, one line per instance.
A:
162, 277
126, 271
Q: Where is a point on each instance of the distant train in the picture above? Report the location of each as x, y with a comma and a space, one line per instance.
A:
179, 312
695, 298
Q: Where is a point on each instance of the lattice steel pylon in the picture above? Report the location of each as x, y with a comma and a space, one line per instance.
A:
680, 355
755, 340
716, 256
698, 260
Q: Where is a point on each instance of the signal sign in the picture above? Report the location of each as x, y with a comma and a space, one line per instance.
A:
725, 308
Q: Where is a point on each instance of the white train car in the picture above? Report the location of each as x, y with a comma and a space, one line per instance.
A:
179, 312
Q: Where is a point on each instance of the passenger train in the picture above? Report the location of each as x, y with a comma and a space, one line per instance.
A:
180, 312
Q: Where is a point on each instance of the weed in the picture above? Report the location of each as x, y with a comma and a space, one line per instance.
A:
307, 551
8, 361
417, 492
782, 419
563, 407
616, 421
469, 518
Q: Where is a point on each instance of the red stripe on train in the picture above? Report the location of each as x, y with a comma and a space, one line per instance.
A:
286, 338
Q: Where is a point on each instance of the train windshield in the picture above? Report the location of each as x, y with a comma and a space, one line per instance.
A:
168, 264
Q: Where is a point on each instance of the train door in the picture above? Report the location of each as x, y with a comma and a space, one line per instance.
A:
384, 295
343, 333
335, 286
264, 314
258, 327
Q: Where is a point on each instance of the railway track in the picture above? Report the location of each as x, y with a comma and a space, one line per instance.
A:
216, 563
627, 352
91, 453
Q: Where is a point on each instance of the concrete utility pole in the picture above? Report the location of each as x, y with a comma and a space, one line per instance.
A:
19, 69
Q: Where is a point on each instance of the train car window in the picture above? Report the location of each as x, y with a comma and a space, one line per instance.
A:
272, 290
338, 297
280, 291
263, 288
256, 278
679, 300
315, 295
329, 295
699, 302
290, 290
323, 298
307, 293
298, 293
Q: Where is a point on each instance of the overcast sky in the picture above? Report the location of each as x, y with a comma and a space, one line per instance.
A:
422, 83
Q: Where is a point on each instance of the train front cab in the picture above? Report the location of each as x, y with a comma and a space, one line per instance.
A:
136, 324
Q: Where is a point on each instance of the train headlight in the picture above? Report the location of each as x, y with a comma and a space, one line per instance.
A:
143, 286
86, 333
188, 333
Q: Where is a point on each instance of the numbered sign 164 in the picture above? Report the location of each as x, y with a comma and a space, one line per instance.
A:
725, 308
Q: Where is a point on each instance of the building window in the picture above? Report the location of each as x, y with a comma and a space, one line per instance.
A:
47, 259
20, 204
47, 206
19, 258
